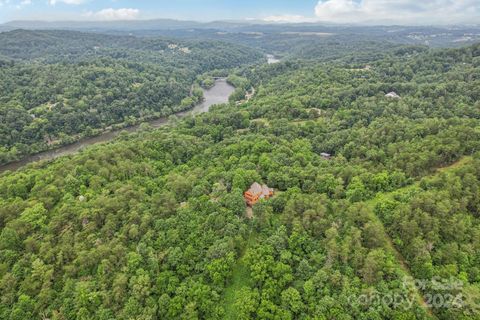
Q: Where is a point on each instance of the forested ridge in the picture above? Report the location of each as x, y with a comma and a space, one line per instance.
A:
153, 224
59, 86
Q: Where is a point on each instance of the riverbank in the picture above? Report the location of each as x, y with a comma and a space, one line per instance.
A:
218, 94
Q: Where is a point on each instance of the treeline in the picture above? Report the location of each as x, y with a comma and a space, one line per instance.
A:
72, 46
153, 225
65, 85
437, 228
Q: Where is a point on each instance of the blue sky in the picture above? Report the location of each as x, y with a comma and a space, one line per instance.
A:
179, 9
340, 11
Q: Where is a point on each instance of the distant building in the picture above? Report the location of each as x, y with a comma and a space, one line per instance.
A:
257, 192
393, 95
326, 156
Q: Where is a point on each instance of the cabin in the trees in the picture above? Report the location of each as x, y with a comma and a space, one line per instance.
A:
326, 156
257, 192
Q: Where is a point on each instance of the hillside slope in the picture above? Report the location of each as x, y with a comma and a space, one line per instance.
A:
59, 86
153, 226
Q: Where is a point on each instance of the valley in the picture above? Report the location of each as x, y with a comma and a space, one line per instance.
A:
231, 170
218, 94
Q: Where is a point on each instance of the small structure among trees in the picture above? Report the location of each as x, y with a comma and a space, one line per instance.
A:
326, 156
392, 95
257, 192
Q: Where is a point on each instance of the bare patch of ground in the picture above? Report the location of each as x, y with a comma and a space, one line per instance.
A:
249, 213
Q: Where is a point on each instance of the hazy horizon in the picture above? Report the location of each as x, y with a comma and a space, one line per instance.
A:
365, 12
239, 21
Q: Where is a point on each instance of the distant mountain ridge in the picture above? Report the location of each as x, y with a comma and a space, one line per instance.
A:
183, 24
169, 25
89, 25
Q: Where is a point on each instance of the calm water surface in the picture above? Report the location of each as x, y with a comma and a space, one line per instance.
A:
218, 94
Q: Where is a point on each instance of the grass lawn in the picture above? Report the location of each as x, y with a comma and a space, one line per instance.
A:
240, 278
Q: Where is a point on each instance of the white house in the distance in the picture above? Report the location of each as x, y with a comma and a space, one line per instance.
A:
393, 95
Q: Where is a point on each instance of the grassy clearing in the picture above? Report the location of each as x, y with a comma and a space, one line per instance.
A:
240, 278
390, 246
463, 161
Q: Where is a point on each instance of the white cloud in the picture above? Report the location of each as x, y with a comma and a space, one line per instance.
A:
23, 3
15, 4
399, 11
111, 14
74, 2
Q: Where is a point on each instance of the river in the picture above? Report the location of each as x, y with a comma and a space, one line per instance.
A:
218, 94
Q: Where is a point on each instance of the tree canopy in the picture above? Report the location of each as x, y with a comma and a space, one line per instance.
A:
153, 225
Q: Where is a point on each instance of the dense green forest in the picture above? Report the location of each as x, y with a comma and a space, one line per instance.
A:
153, 225
59, 86
286, 39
